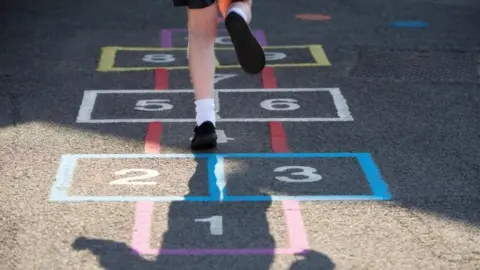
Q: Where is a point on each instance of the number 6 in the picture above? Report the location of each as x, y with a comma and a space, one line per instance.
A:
308, 172
280, 104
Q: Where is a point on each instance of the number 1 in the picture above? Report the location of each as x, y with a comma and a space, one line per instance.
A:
216, 224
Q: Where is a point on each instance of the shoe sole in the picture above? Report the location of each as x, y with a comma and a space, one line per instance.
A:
249, 52
205, 142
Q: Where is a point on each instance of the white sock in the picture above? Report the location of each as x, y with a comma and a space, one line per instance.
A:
237, 10
205, 109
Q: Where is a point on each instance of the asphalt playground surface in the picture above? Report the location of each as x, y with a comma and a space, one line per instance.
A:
384, 120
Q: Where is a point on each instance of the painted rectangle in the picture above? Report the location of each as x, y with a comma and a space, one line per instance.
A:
294, 177
140, 177
178, 37
160, 103
116, 58
185, 237
216, 178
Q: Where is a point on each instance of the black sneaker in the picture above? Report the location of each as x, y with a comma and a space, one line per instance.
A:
249, 52
205, 136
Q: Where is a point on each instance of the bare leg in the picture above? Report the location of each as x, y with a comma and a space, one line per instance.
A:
244, 6
202, 31
202, 25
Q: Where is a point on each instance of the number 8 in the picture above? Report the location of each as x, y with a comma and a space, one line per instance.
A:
308, 172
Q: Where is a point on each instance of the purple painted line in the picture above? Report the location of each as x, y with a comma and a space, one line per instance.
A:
260, 35
166, 36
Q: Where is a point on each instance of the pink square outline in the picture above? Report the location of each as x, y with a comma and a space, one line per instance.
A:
293, 217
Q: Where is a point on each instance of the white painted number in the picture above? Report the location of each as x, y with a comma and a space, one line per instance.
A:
272, 56
153, 105
129, 180
221, 77
223, 40
309, 173
216, 224
159, 58
280, 104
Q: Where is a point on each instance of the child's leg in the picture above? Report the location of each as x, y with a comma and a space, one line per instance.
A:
244, 6
202, 25
250, 53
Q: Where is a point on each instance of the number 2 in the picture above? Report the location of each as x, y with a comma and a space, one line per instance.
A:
309, 173
129, 180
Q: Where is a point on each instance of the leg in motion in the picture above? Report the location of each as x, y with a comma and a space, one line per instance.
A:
202, 31
238, 14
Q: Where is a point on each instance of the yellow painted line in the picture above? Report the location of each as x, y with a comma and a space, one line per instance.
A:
107, 58
319, 55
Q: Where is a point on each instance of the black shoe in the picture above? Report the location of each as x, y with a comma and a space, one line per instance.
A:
205, 136
249, 52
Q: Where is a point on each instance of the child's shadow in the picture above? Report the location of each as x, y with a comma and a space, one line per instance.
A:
244, 225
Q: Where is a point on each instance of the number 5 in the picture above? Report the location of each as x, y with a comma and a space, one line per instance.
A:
155, 105
309, 173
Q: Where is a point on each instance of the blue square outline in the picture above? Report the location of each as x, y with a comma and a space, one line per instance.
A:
376, 183
64, 178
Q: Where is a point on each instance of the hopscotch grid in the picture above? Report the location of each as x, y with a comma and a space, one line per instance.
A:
220, 120
90, 96
67, 168
107, 58
86, 107
226, 198
63, 178
143, 223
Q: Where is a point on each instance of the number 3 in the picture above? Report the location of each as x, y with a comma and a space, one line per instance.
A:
309, 173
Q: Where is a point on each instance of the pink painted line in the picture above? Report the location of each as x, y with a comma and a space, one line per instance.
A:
141, 227
296, 229
143, 222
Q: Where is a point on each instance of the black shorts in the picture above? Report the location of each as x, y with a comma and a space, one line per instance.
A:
193, 4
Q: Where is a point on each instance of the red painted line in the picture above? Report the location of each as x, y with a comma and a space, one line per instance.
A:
160, 79
144, 210
152, 139
278, 137
297, 233
154, 129
268, 78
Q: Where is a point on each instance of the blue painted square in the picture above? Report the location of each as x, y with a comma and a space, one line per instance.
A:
335, 179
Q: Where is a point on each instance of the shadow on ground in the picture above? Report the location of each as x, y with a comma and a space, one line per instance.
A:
245, 226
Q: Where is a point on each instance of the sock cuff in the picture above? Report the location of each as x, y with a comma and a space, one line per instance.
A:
239, 11
205, 102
